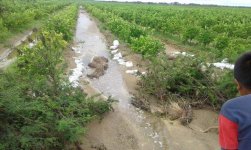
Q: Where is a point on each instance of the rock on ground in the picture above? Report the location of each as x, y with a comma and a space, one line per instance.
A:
99, 64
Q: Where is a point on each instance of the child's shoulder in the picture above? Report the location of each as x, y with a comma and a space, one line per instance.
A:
238, 108
238, 102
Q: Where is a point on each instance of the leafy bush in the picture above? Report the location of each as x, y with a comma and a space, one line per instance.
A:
206, 37
42, 121
190, 34
221, 42
3, 30
62, 23
186, 78
146, 46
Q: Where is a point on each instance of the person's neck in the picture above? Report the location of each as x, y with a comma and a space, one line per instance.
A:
245, 92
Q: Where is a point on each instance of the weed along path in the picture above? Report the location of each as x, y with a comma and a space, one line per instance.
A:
127, 128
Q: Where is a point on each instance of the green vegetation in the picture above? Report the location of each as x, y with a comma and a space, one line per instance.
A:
16, 15
221, 32
39, 109
224, 31
187, 78
136, 36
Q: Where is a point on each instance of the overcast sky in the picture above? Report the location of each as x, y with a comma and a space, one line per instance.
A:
218, 2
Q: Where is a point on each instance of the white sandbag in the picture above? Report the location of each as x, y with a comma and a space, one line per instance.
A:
76, 73
31, 45
121, 61
114, 51
119, 55
203, 68
129, 64
224, 65
177, 53
115, 43
74, 48
133, 72
183, 54
116, 58
225, 60
114, 47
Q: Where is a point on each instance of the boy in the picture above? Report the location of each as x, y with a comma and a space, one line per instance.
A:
235, 115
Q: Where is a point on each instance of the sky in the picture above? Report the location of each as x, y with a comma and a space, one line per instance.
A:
217, 2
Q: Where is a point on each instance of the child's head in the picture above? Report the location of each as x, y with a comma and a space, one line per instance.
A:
242, 73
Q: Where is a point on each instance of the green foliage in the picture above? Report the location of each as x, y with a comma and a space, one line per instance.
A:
226, 84
3, 30
190, 34
221, 42
146, 46
61, 23
236, 46
42, 60
39, 109
136, 36
185, 78
16, 15
31, 120
206, 37
207, 27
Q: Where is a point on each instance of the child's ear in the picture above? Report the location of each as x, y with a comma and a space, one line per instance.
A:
239, 87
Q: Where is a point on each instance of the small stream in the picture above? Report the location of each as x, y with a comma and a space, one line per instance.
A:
147, 129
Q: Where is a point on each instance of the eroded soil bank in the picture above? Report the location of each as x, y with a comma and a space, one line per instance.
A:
129, 128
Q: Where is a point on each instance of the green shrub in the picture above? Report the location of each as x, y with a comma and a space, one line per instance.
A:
184, 77
190, 33
146, 46
33, 121
3, 31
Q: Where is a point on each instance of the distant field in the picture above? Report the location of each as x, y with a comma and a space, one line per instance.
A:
224, 31
16, 15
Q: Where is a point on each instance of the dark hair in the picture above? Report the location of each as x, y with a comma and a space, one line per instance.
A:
242, 70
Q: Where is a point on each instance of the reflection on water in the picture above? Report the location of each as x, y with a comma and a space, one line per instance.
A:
90, 43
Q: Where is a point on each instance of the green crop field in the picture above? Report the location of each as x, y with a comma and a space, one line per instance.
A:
224, 31
40, 108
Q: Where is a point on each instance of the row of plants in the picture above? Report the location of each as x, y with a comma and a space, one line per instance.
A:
39, 108
137, 37
224, 31
17, 14
185, 78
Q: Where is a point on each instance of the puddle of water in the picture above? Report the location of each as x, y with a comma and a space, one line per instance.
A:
112, 83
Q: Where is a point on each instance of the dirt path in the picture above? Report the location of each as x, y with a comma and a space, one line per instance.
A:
128, 128
7, 48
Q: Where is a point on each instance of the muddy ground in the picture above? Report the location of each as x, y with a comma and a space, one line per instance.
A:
128, 128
